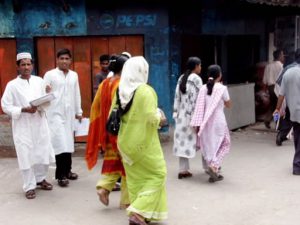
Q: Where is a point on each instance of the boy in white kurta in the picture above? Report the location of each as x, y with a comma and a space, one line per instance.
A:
61, 114
29, 126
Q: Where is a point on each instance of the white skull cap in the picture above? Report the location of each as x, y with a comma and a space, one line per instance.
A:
23, 55
126, 54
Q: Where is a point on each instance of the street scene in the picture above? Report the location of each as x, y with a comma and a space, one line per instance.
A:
258, 189
145, 112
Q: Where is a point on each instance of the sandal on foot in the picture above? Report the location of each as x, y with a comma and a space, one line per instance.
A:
212, 180
134, 219
103, 196
212, 173
184, 175
30, 194
63, 182
44, 185
72, 176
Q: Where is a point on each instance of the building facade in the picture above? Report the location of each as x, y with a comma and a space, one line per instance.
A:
234, 34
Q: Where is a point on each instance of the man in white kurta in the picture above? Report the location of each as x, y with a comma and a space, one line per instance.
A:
61, 114
31, 134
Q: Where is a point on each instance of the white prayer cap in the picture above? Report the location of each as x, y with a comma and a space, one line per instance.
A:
23, 55
126, 54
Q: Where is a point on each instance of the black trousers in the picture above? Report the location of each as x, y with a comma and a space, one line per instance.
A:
273, 103
285, 125
296, 161
63, 165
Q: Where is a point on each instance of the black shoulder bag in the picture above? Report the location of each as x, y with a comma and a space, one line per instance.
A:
114, 120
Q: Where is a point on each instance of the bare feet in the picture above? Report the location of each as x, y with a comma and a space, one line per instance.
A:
103, 196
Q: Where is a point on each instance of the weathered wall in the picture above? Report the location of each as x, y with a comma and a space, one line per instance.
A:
30, 19
6, 19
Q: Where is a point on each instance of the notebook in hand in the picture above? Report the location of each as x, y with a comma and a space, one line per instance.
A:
44, 99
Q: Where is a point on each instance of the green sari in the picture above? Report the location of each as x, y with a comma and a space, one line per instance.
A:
142, 155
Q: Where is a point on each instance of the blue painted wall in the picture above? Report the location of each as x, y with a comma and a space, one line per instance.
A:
47, 18
6, 19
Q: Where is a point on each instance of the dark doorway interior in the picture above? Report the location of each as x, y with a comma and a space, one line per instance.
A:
204, 46
236, 54
242, 55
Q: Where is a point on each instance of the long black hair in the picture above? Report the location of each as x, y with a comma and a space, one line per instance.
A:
191, 64
116, 63
213, 72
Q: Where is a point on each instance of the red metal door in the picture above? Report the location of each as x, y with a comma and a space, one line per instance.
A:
8, 68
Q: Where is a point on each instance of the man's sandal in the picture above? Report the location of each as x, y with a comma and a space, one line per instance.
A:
72, 176
44, 185
30, 194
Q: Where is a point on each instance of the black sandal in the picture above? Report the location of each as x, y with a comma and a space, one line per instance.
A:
213, 180
72, 176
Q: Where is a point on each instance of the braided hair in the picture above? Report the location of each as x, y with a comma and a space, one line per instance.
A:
191, 64
213, 72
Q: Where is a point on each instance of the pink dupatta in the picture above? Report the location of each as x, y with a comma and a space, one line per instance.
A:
204, 112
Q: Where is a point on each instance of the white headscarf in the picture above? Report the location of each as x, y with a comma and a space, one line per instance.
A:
135, 72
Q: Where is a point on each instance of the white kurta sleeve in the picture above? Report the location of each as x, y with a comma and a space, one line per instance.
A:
7, 104
78, 109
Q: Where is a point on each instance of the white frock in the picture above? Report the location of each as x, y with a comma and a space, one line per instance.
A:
184, 104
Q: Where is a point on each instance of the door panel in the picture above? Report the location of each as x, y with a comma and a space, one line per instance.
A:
8, 68
82, 65
45, 55
116, 45
134, 45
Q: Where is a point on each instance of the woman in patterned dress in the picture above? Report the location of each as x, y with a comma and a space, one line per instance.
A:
186, 94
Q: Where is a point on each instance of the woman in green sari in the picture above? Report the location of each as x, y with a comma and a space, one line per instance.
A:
139, 145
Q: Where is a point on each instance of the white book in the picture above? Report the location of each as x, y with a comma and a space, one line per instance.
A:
44, 99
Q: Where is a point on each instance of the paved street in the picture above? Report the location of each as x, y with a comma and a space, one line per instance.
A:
258, 189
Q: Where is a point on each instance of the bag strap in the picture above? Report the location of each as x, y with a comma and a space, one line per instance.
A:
127, 107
